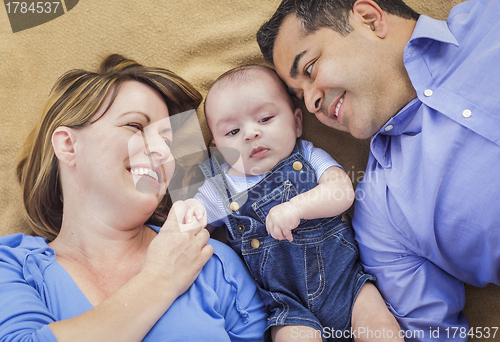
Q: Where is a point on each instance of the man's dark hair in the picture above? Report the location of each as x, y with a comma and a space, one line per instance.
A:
316, 14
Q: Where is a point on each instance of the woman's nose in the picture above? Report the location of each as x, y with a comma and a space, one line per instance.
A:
156, 147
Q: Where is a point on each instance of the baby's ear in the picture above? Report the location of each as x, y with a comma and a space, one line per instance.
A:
298, 121
63, 142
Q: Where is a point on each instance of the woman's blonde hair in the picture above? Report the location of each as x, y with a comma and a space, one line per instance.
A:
74, 99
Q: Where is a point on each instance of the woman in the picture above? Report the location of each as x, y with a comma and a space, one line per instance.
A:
97, 272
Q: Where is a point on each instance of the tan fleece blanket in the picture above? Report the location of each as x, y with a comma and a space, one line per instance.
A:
198, 39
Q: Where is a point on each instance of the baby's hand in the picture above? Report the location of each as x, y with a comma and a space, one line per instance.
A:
281, 220
195, 215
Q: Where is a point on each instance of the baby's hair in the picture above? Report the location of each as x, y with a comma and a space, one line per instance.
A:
247, 73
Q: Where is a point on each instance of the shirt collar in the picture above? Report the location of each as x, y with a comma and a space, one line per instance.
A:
404, 122
434, 29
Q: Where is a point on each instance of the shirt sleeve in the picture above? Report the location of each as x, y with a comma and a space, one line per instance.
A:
318, 158
407, 280
212, 203
23, 313
241, 305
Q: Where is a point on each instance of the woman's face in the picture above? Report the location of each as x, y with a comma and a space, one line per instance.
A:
124, 159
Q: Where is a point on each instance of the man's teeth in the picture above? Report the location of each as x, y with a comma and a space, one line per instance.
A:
147, 172
337, 107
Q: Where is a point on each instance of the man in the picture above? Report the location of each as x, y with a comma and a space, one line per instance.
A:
427, 93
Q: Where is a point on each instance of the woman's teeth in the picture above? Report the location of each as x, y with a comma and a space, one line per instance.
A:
143, 171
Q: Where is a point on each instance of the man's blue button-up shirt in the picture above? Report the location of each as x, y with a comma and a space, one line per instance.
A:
427, 215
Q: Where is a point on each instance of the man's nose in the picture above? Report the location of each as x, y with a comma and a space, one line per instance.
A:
313, 99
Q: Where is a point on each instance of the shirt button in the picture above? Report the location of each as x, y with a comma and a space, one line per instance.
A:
467, 113
255, 243
297, 166
234, 206
428, 92
241, 228
388, 128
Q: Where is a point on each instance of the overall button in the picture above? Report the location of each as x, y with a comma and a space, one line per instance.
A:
297, 166
345, 217
255, 243
241, 228
234, 206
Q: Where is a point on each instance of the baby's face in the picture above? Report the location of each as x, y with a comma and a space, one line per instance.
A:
256, 119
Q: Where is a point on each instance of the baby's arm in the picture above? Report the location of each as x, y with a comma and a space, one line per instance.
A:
196, 214
332, 196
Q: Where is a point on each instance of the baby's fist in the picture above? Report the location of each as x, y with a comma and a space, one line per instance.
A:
281, 220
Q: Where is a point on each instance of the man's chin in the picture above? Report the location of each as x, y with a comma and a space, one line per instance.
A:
330, 122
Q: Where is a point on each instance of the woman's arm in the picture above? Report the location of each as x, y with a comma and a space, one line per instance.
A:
332, 196
174, 260
240, 303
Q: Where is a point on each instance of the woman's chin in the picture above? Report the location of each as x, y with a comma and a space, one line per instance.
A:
148, 185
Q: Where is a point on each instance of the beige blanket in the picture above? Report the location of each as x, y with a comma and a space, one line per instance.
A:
198, 39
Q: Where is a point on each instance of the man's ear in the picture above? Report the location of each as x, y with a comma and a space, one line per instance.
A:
64, 144
298, 121
372, 16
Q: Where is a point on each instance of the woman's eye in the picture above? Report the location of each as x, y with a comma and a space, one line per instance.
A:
135, 125
266, 119
233, 132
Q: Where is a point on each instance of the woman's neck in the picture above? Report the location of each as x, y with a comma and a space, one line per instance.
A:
92, 240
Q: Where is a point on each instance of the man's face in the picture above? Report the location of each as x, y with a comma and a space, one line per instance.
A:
346, 81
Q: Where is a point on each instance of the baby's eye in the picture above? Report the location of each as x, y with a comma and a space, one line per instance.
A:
233, 132
168, 142
136, 125
266, 119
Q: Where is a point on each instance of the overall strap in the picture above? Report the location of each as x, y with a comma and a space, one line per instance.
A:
215, 175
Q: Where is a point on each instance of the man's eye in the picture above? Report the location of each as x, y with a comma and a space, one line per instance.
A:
309, 69
233, 132
136, 125
266, 119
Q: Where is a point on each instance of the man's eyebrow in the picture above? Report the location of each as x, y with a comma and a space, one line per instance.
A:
294, 69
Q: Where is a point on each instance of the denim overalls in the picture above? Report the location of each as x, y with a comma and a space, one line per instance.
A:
312, 281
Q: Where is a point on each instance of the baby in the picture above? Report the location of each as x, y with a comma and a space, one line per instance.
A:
283, 202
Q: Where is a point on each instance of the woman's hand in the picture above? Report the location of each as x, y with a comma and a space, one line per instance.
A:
177, 254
